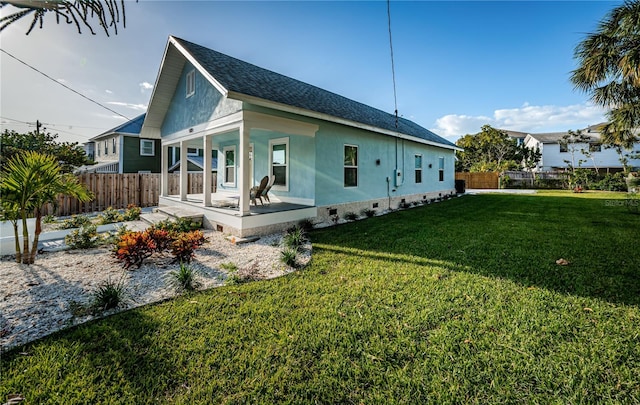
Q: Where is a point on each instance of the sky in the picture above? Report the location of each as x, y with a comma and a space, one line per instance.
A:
458, 65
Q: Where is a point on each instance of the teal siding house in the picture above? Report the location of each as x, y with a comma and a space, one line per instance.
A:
328, 154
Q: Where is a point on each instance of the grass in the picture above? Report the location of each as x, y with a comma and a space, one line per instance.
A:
456, 302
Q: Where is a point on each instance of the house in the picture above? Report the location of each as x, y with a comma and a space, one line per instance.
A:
558, 155
195, 160
329, 154
122, 150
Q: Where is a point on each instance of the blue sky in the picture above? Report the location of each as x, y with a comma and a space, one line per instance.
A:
459, 65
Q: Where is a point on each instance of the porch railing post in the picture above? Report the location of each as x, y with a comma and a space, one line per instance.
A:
164, 167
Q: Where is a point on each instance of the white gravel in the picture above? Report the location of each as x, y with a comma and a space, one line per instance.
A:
45, 297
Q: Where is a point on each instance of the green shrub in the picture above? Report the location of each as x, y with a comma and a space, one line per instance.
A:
49, 219
184, 279
109, 216
83, 238
132, 213
178, 225
610, 182
294, 238
289, 256
110, 295
368, 212
76, 221
306, 224
350, 216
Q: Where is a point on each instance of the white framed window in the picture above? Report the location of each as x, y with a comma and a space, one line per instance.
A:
113, 145
350, 166
441, 169
229, 166
192, 151
191, 83
147, 147
279, 163
418, 169
106, 148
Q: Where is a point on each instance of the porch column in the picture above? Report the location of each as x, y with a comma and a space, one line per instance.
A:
164, 170
243, 171
184, 171
206, 172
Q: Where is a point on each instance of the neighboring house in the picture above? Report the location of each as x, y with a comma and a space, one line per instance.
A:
195, 160
329, 154
557, 156
122, 150
518, 136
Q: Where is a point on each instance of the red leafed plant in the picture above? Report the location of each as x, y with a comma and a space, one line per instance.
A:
185, 244
134, 247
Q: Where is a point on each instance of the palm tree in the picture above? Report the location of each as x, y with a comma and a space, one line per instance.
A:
78, 12
609, 69
28, 182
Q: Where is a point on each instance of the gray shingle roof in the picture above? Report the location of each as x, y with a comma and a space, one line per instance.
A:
244, 78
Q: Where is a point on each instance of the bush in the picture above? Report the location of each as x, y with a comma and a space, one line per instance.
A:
132, 213
294, 237
76, 221
110, 295
610, 182
306, 224
178, 225
134, 247
368, 212
49, 219
184, 245
109, 216
350, 216
184, 279
289, 256
83, 238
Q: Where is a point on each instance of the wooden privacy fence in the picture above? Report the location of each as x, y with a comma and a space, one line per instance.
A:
120, 190
478, 180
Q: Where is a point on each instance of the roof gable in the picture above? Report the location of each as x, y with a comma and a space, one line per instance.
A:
131, 127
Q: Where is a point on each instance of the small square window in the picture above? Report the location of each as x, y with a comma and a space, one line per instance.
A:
192, 151
191, 83
147, 147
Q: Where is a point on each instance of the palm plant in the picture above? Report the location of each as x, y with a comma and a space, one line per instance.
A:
28, 182
609, 69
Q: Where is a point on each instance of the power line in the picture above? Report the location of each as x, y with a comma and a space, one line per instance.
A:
393, 69
64, 85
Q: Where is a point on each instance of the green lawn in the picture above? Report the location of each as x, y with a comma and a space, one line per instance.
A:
456, 302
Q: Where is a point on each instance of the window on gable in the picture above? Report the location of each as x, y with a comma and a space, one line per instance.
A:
191, 83
279, 162
350, 166
441, 169
230, 166
113, 145
418, 168
147, 147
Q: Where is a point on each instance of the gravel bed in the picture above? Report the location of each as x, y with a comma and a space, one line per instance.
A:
48, 296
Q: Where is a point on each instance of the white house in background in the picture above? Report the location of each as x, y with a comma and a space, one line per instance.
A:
555, 154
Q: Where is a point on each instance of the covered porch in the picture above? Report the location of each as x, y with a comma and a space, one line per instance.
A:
248, 146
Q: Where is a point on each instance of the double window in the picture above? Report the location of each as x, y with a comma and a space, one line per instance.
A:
418, 168
350, 166
279, 162
147, 147
441, 169
190, 83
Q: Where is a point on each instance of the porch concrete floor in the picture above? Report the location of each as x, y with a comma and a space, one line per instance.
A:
219, 204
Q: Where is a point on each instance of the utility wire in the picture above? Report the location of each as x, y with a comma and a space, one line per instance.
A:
393, 69
65, 86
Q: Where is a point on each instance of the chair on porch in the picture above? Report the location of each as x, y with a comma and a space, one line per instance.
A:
256, 192
265, 193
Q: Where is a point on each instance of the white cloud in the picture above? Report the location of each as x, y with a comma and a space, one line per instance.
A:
145, 86
528, 118
137, 107
108, 91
